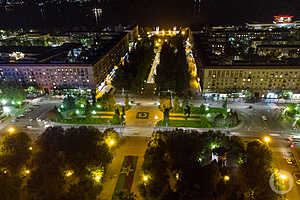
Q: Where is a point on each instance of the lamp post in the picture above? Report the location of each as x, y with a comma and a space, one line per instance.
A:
267, 139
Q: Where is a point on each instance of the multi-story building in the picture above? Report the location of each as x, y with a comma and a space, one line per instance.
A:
229, 63
80, 60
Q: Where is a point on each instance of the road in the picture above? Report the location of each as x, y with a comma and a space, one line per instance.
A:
280, 153
252, 127
36, 109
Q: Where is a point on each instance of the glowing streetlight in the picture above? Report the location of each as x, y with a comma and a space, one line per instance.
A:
267, 139
11, 130
27, 171
183, 32
226, 178
155, 117
4, 102
6, 109
111, 142
282, 177
30, 148
145, 178
97, 178
69, 173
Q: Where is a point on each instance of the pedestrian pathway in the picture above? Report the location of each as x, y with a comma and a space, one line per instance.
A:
133, 148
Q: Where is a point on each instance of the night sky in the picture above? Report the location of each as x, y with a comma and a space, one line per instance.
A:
154, 12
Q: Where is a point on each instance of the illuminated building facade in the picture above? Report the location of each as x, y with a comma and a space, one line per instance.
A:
236, 60
79, 60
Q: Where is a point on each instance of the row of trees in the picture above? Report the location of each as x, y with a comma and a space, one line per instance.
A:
172, 72
183, 165
12, 91
60, 165
132, 75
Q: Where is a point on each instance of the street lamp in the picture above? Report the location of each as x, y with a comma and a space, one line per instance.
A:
146, 179
11, 130
6, 109
97, 178
69, 173
3, 102
283, 177
110, 142
226, 178
267, 139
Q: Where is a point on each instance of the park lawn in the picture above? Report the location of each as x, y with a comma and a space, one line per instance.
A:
186, 123
217, 110
102, 121
197, 110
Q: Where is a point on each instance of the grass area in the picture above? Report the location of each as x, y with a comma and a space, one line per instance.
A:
186, 123
103, 121
197, 110
89, 121
107, 119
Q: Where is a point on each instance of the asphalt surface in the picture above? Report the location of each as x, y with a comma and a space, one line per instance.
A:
252, 127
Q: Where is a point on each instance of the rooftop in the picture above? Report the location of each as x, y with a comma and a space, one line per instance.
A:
67, 47
216, 48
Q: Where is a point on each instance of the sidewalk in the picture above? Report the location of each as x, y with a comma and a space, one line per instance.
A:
134, 146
